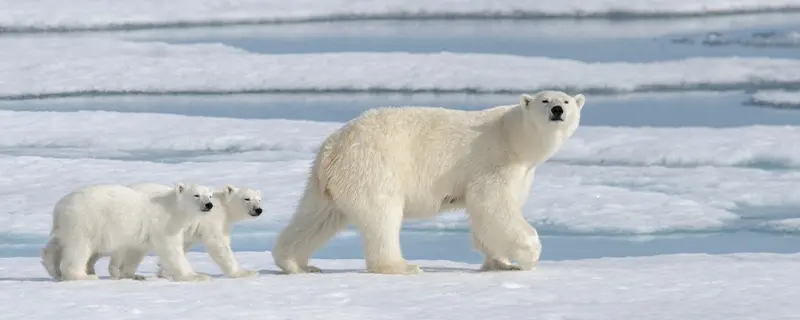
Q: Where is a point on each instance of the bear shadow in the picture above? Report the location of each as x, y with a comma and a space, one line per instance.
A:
364, 271
27, 279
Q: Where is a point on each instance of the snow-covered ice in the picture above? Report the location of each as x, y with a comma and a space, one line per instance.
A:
734, 185
111, 14
725, 287
57, 67
777, 98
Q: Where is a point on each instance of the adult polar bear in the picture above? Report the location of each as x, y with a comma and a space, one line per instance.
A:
392, 164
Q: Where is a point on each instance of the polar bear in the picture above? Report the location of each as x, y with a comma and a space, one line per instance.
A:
214, 229
116, 220
391, 164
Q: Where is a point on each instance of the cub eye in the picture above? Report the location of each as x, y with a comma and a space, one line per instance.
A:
545, 101
566, 102
246, 199
197, 196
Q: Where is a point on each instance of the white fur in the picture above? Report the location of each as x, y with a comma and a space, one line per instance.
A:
231, 205
126, 224
392, 164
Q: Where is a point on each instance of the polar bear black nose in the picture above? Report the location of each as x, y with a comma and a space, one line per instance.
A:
557, 111
258, 210
209, 205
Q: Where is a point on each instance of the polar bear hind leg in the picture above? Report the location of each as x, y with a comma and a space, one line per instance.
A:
380, 234
75, 255
92, 262
315, 222
123, 264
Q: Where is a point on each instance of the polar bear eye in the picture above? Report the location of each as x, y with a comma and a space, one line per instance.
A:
246, 199
197, 196
566, 101
545, 101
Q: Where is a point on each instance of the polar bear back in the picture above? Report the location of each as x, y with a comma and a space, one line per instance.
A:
424, 153
107, 211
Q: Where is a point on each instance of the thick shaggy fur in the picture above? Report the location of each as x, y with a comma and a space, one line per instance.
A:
124, 223
392, 164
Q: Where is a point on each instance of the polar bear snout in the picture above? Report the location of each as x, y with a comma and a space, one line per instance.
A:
556, 113
207, 207
256, 212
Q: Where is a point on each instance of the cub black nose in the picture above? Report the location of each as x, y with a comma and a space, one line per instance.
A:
557, 111
258, 210
209, 205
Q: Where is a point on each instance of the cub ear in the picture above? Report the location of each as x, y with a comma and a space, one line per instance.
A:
525, 100
180, 187
580, 100
229, 189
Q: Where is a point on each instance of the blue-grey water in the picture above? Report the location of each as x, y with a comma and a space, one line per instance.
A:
678, 109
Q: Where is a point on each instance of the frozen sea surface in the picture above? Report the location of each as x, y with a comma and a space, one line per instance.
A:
728, 287
676, 199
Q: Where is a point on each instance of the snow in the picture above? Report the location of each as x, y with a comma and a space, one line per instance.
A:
59, 67
777, 98
783, 226
750, 146
112, 14
605, 180
725, 287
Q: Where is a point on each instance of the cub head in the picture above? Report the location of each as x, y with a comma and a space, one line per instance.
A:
242, 203
195, 197
553, 110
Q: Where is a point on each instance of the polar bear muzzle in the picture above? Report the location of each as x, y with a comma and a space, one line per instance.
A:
556, 113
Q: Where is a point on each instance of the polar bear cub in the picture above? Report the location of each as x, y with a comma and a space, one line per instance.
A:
391, 164
214, 229
126, 224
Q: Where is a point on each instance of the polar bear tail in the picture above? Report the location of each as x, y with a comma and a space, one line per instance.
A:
314, 223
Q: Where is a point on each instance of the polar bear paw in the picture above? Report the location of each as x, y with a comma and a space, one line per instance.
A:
79, 277
196, 277
400, 268
497, 265
242, 273
138, 277
312, 269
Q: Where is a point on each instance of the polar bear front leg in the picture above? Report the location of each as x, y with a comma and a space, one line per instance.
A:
219, 248
380, 234
133, 258
163, 274
173, 259
498, 227
492, 263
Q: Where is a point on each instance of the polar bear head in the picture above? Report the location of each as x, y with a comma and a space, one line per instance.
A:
241, 203
553, 110
194, 198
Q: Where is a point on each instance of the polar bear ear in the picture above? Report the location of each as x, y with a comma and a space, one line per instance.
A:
525, 100
580, 100
229, 189
180, 187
